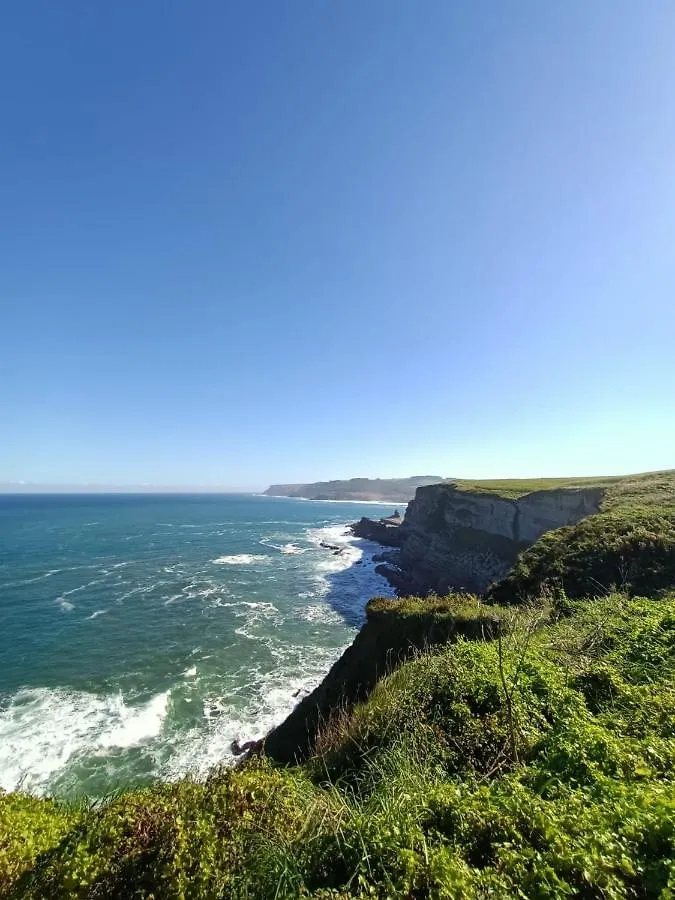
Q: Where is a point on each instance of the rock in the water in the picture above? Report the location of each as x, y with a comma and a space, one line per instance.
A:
382, 531
238, 748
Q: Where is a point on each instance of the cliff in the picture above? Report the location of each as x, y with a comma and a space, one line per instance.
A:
388, 490
394, 631
457, 538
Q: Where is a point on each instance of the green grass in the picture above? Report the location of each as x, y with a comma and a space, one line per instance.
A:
462, 609
620, 490
514, 488
654, 491
394, 630
629, 544
538, 766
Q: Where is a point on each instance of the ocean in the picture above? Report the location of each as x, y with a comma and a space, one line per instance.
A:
140, 635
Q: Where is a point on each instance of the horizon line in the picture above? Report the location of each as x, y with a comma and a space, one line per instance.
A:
36, 488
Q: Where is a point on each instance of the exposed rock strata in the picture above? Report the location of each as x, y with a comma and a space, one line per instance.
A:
458, 539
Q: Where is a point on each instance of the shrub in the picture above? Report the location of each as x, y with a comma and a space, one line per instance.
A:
632, 551
29, 827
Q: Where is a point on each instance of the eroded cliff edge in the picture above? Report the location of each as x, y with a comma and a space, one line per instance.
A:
458, 539
394, 631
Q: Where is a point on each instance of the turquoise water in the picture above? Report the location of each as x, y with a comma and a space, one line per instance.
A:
140, 635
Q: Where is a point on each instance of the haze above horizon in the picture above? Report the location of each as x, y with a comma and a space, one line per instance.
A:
245, 244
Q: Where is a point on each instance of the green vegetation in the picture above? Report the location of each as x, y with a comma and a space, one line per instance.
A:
649, 488
629, 544
461, 609
635, 552
394, 631
522, 750
537, 765
513, 488
653, 491
28, 828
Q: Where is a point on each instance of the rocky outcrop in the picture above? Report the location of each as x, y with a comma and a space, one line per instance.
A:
382, 531
453, 538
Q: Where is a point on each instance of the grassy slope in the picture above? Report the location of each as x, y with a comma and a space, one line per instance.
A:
537, 765
630, 543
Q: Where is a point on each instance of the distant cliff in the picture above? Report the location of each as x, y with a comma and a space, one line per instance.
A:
453, 538
388, 490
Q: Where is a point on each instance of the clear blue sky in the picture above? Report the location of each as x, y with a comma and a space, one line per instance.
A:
274, 241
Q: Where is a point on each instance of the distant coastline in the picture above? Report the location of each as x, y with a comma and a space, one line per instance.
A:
319, 500
355, 490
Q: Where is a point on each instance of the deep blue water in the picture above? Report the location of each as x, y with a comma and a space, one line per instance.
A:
141, 634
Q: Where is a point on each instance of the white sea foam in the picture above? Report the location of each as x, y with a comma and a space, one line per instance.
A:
99, 612
197, 752
43, 730
136, 724
338, 536
197, 589
23, 581
289, 548
43, 733
346, 574
67, 605
268, 608
320, 612
240, 559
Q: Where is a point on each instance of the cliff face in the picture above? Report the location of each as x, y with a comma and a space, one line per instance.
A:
454, 538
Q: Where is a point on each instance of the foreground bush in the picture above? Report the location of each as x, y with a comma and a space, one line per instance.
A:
28, 828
